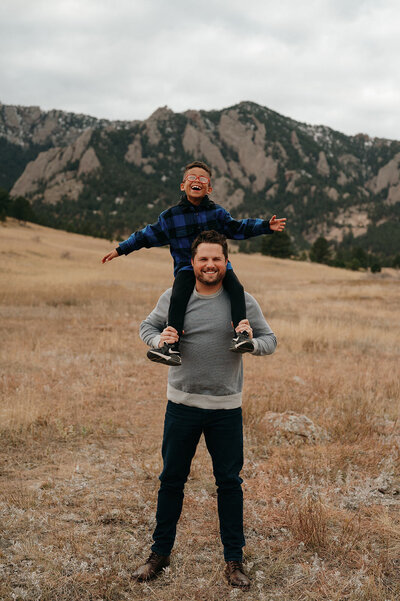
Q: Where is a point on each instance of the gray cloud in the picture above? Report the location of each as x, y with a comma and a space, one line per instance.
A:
322, 61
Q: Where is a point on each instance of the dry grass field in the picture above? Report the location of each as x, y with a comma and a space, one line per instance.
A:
81, 418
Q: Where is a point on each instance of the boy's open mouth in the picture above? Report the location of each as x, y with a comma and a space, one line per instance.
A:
195, 187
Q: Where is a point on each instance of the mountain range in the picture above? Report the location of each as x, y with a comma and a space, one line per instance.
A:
108, 178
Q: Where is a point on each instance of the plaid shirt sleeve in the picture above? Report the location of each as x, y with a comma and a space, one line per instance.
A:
155, 234
240, 229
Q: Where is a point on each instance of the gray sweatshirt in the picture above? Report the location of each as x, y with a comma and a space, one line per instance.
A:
211, 376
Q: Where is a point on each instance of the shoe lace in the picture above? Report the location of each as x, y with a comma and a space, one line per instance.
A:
235, 565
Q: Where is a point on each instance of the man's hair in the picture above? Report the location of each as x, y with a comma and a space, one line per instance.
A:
198, 164
210, 237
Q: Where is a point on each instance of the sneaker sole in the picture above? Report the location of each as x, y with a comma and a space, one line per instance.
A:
244, 347
173, 361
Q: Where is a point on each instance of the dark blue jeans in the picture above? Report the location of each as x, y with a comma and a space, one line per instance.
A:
223, 433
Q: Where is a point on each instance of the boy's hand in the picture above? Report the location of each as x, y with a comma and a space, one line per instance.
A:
277, 225
110, 256
168, 335
244, 326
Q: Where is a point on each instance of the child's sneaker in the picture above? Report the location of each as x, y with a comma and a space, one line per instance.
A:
241, 343
169, 354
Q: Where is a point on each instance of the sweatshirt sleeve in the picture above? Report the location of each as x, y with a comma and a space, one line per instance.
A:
154, 234
263, 337
240, 229
151, 327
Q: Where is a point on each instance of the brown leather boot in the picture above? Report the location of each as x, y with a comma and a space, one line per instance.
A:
235, 575
154, 564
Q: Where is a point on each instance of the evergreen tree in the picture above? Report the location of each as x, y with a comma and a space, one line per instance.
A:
354, 264
396, 261
4, 204
278, 245
340, 258
21, 209
320, 251
360, 254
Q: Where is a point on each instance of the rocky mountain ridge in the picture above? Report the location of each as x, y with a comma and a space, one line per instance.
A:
120, 175
25, 125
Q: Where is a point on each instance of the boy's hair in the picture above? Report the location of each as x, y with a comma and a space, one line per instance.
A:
210, 237
198, 164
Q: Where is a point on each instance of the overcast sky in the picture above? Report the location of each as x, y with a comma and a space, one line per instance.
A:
330, 62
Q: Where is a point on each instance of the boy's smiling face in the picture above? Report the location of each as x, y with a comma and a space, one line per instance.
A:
196, 190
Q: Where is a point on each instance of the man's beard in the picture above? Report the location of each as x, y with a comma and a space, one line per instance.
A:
219, 277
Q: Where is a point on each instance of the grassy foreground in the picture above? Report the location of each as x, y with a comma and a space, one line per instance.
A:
81, 416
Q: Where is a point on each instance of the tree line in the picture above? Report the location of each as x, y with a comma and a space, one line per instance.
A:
281, 245
346, 255
20, 208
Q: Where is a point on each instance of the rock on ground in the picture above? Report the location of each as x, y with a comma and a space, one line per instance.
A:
290, 427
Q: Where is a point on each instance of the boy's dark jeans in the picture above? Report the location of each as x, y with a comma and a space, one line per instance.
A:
183, 287
223, 434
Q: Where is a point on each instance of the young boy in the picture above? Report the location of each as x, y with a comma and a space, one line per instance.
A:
178, 227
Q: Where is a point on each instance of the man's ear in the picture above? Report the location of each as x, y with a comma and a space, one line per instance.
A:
209, 190
182, 186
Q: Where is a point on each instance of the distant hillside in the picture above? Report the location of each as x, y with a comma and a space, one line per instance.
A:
109, 178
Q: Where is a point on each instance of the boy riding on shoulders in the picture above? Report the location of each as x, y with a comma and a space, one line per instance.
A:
178, 226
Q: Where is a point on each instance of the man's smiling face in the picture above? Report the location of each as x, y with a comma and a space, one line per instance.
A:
209, 264
196, 190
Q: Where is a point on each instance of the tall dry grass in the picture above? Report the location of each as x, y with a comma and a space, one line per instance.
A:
81, 422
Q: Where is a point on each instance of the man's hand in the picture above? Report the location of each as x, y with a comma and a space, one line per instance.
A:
168, 335
112, 255
277, 225
244, 326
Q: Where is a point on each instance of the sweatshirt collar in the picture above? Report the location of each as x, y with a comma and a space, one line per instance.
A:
206, 203
208, 296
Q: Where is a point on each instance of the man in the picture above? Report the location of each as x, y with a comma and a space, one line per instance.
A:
178, 226
205, 396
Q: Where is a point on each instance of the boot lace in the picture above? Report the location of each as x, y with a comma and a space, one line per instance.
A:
235, 565
153, 558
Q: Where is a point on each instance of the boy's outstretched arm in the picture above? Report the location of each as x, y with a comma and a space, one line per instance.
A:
277, 225
150, 236
110, 256
240, 229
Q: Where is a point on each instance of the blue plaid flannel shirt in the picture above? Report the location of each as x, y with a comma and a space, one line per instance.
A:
179, 225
